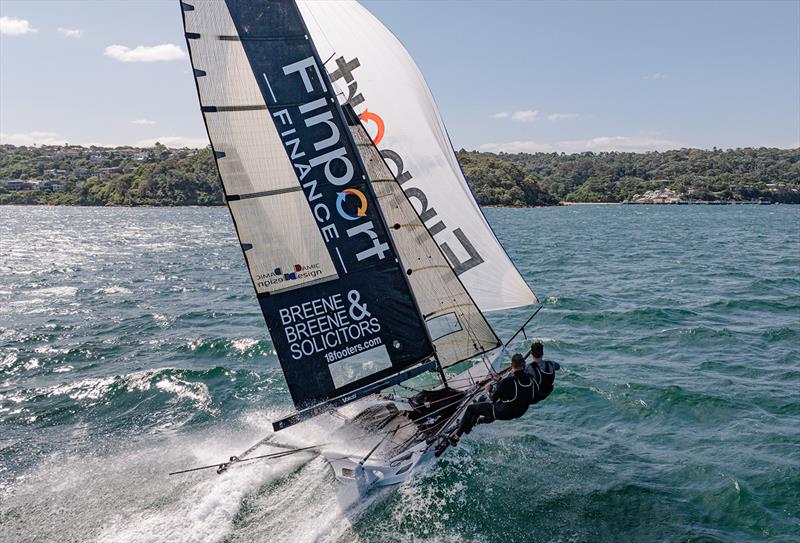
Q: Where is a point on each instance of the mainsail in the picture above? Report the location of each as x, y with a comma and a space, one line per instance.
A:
380, 80
332, 289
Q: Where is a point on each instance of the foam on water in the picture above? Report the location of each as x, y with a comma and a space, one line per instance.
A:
61, 292
126, 495
204, 510
113, 290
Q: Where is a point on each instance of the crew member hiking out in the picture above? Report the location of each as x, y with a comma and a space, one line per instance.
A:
509, 399
542, 373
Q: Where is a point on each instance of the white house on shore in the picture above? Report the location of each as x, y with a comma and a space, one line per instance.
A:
661, 196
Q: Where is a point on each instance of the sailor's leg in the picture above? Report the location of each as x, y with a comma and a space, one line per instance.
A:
467, 421
486, 417
471, 415
485, 413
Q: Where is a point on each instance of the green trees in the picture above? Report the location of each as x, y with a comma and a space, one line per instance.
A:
497, 182
160, 176
736, 174
123, 176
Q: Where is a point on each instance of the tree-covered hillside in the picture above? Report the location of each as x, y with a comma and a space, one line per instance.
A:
102, 176
738, 174
497, 182
73, 175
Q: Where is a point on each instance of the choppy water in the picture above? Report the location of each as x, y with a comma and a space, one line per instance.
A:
131, 345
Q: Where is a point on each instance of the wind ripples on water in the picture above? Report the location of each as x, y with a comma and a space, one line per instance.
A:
131, 345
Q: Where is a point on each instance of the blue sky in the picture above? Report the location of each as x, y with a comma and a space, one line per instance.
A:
514, 76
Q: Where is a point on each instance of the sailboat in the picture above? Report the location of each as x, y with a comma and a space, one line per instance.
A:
371, 260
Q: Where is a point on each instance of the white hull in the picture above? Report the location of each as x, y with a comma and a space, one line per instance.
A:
366, 470
373, 463
349, 471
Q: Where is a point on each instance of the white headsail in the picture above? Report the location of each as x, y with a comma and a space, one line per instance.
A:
380, 80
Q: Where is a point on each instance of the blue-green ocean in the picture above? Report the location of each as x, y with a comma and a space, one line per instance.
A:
131, 345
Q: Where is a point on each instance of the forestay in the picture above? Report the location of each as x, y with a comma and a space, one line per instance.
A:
333, 293
378, 78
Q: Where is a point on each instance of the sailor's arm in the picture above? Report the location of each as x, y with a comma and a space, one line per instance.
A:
494, 392
500, 390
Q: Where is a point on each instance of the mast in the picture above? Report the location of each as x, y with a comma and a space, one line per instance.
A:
354, 121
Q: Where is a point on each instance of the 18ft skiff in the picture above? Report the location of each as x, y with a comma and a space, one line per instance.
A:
370, 258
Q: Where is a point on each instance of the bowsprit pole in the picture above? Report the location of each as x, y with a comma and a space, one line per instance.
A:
223, 466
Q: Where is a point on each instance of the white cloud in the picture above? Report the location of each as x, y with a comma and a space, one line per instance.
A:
174, 141
11, 26
30, 138
142, 53
70, 32
532, 115
635, 144
656, 76
524, 116
143, 121
519, 116
555, 117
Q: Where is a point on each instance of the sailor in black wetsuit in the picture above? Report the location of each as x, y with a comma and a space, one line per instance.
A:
509, 399
542, 372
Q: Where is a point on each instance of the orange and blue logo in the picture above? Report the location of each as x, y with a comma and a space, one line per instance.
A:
361, 211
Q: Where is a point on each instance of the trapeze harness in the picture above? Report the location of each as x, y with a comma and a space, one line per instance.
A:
505, 404
517, 404
543, 379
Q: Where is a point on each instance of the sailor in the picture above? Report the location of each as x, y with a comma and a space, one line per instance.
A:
542, 372
509, 399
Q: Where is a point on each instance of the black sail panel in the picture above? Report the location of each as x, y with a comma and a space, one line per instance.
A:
348, 319
335, 298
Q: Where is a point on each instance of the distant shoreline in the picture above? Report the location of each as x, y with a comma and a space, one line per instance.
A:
589, 203
560, 204
159, 176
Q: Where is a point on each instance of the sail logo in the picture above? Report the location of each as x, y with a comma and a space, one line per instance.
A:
281, 275
312, 135
327, 323
361, 210
435, 225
